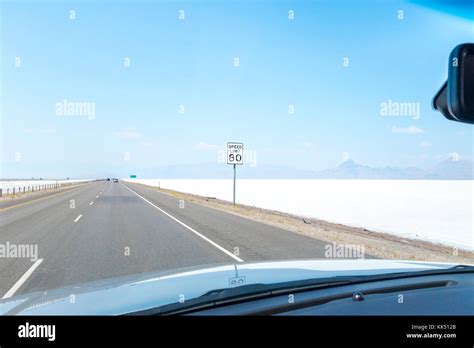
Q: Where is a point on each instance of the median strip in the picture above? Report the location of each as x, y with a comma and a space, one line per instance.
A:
186, 226
40, 199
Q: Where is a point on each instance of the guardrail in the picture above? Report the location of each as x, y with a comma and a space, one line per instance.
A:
33, 188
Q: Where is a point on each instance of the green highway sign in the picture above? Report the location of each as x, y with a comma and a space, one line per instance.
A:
133, 176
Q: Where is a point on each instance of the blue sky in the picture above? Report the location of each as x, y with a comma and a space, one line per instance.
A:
282, 62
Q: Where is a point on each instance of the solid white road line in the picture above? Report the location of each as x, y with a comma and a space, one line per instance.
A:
22, 280
91, 203
77, 219
189, 228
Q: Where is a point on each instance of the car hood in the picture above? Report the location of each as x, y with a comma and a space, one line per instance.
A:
139, 292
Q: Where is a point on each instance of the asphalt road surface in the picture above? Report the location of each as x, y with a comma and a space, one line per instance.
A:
104, 229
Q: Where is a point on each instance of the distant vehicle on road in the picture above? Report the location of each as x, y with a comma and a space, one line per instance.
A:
115, 180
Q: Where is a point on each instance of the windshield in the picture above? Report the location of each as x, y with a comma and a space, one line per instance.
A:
144, 138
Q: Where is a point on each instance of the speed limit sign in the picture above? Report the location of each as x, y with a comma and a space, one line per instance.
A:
235, 153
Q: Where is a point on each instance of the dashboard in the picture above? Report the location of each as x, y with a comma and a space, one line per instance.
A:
451, 294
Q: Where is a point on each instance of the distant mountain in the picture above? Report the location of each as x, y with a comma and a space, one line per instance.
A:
462, 169
352, 170
223, 171
445, 170
448, 169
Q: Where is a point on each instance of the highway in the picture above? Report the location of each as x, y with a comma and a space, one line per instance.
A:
105, 229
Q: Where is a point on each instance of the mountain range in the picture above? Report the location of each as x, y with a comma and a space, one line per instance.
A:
445, 170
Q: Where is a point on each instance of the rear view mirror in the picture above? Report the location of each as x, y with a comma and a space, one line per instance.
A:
455, 100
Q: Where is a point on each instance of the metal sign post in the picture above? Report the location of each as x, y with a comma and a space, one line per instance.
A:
235, 155
235, 171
